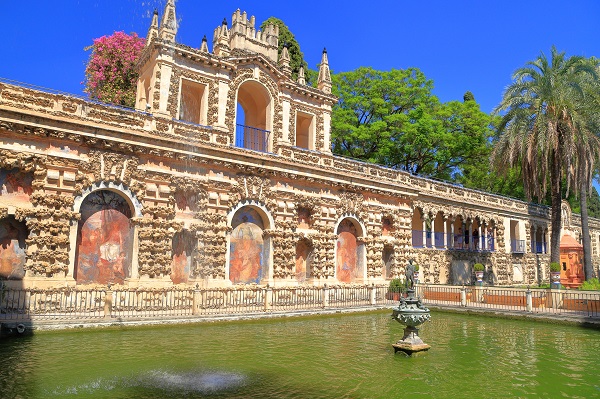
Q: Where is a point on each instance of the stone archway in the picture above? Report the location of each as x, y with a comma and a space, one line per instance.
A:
254, 128
104, 239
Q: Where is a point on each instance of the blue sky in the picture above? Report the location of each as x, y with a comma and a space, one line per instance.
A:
460, 45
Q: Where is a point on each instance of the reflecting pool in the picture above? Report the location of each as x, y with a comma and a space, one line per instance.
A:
341, 356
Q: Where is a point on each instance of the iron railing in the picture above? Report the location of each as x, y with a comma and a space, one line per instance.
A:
252, 138
549, 301
432, 239
66, 304
517, 246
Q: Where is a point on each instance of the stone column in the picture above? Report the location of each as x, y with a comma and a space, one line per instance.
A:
479, 238
424, 232
445, 239
452, 233
468, 235
483, 236
534, 239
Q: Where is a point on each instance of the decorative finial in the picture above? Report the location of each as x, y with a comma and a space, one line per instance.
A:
224, 22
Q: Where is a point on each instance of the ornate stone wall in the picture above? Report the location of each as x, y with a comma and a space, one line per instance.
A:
180, 177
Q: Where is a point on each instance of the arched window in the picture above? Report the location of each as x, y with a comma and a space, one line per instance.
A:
254, 119
249, 253
104, 239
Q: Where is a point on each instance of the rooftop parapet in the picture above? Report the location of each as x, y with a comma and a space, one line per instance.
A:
244, 35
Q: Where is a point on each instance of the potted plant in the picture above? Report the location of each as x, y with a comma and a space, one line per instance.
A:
479, 268
395, 289
555, 273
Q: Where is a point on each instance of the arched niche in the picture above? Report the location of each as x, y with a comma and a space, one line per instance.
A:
13, 234
389, 261
349, 251
105, 238
254, 120
249, 251
183, 250
304, 254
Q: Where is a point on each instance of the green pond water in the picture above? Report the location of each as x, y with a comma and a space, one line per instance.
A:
341, 356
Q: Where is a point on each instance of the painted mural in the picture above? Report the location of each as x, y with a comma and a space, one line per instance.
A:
12, 248
347, 261
15, 183
105, 239
302, 261
184, 244
247, 253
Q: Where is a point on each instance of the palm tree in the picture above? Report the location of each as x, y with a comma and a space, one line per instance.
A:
588, 152
540, 110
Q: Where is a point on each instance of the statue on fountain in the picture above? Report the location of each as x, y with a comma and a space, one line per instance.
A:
410, 275
411, 313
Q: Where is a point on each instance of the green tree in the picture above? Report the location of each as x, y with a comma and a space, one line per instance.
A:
587, 147
538, 113
392, 118
286, 37
110, 74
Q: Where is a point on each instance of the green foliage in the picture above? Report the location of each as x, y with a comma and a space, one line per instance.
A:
590, 285
468, 96
554, 267
416, 267
393, 119
593, 203
396, 285
544, 125
110, 74
478, 267
296, 55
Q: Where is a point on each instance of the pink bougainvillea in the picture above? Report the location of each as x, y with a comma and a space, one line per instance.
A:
110, 74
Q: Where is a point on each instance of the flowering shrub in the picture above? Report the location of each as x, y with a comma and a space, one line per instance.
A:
110, 74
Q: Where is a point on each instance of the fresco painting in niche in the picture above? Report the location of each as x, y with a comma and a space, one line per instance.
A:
303, 218
105, 239
15, 183
186, 202
246, 263
183, 249
12, 248
302, 259
347, 267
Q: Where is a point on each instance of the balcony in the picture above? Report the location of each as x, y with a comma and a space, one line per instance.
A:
430, 239
538, 247
252, 138
517, 246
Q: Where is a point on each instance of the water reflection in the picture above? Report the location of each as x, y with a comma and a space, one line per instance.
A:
346, 356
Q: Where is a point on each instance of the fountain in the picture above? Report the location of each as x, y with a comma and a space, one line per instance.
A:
411, 313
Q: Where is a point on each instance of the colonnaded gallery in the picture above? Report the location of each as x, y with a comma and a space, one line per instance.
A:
224, 175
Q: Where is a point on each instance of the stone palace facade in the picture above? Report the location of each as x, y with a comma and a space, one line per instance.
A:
224, 175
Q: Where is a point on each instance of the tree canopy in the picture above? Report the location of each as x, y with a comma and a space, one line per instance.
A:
541, 114
287, 38
110, 73
393, 119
